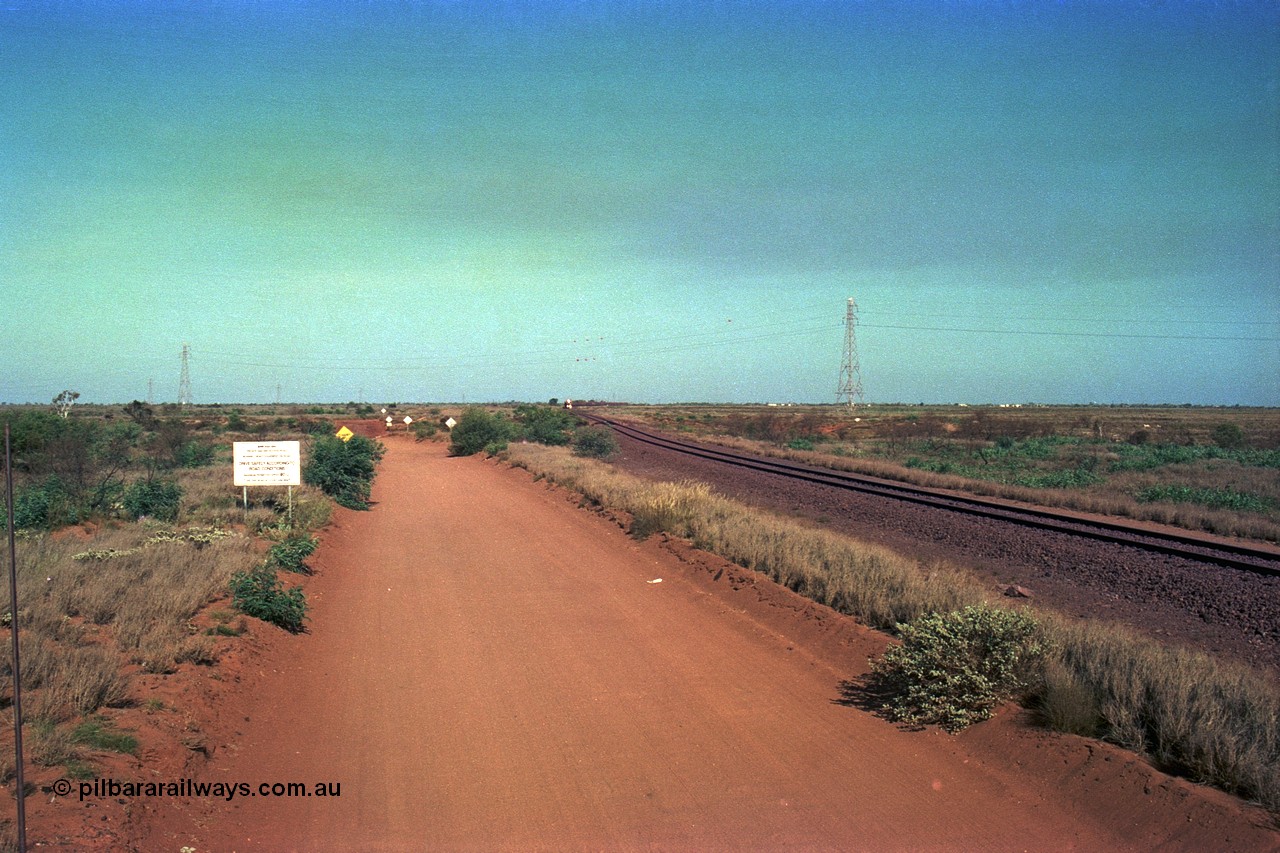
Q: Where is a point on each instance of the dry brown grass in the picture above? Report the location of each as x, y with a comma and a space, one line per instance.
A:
210, 500
874, 584
1215, 722
88, 604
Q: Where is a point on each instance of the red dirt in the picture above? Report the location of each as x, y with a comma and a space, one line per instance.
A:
489, 668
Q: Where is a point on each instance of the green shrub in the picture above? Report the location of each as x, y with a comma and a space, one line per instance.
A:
158, 499
43, 505
292, 553
953, 669
194, 454
1071, 478
1229, 436
74, 468
316, 426
343, 470
98, 733
476, 430
1212, 498
260, 594
1139, 437
545, 424
800, 444
1149, 456
597, 442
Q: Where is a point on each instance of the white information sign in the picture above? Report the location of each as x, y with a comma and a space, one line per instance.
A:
267, 463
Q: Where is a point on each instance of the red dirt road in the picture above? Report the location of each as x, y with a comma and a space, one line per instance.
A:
489, 668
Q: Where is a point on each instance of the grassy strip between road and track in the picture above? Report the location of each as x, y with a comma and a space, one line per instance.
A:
1213, 721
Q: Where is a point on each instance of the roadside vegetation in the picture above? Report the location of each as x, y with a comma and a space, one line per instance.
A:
134, 555
953, 669
1216, 470
492, 432
343, 470
962, 653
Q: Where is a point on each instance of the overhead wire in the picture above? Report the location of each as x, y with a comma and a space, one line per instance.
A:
592, 347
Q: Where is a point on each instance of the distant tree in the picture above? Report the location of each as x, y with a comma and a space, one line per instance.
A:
140, 413
158, 499
64, 401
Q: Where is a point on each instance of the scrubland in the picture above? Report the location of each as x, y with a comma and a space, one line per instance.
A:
1211, 469
111, 589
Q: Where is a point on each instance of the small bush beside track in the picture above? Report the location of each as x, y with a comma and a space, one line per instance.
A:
953, 669
343, 470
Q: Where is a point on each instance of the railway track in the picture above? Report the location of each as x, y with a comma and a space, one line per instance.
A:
1261, 559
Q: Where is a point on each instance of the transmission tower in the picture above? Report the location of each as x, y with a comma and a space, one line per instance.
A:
850, 389
184, 381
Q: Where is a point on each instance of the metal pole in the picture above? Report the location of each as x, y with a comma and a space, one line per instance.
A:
13, 630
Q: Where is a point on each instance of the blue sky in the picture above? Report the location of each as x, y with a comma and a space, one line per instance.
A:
1030, 201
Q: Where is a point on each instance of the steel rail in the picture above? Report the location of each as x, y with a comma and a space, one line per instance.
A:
1220, 552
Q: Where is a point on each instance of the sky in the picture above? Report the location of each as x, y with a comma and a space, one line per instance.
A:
1030, 201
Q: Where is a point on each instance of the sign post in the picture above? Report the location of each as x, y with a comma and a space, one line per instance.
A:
267, 463
13, 630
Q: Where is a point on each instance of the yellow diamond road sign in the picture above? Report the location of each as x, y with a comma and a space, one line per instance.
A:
344, 434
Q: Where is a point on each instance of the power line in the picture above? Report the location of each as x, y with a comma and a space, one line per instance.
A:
542, 356
1069, 334
595, 348
1111, 320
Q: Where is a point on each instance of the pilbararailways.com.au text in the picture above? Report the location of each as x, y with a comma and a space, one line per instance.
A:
109, 788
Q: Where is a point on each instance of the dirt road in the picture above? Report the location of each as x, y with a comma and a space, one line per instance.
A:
490, 669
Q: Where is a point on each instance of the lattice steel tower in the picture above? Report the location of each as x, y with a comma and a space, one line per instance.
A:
850, 389
184, 381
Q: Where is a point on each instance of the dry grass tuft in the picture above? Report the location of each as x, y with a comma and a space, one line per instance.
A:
868, 582
1215, 721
